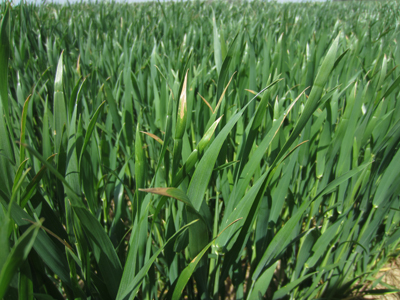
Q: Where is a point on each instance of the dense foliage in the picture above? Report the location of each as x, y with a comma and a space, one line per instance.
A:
198, 149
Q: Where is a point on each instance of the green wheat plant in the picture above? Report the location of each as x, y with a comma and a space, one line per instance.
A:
198, 150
